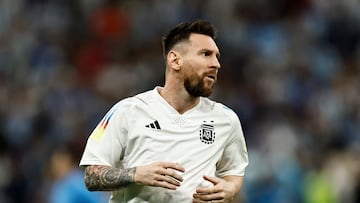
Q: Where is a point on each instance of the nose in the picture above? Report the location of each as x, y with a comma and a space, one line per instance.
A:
215, 63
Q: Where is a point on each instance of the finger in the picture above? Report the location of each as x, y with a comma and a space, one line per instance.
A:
206, 201
166, 185
213, 180
171, 165
199, 201
168, 179
170, 173
207, 197
173, 174
208, 190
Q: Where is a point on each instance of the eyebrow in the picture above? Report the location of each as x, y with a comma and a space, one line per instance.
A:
211, 51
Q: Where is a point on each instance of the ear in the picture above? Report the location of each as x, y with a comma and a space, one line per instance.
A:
174, 60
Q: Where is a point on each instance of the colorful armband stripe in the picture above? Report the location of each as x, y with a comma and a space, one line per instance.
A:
99, 131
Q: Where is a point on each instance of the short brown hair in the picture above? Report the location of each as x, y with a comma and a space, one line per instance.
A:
182, 32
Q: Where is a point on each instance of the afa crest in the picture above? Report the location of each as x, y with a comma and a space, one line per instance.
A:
207, 133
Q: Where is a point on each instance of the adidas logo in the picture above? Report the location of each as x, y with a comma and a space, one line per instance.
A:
154, 125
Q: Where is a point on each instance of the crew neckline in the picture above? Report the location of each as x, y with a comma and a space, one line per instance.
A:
171, 108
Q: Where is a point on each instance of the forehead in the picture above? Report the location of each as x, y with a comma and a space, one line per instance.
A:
200, 41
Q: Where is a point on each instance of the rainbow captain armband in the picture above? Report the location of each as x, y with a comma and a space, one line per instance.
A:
100, 129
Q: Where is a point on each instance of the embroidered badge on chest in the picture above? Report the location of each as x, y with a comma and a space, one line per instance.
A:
207, 133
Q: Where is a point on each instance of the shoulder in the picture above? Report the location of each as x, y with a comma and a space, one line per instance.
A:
130, 103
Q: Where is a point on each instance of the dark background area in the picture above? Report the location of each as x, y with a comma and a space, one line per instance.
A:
290, 70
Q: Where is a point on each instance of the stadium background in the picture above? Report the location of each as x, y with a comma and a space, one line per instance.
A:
291, 70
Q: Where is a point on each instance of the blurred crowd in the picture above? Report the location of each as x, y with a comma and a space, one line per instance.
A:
290, 70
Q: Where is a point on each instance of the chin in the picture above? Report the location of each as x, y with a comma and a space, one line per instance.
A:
206, 93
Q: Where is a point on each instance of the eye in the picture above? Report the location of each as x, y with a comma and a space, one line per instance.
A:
206, 53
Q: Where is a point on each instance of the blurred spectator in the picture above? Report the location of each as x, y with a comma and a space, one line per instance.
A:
68, 180
110, 22
291, 71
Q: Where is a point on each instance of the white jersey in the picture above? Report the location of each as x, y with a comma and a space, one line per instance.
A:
206, 140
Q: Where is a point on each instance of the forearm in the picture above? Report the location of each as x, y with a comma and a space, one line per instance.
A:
105, 178
236, 180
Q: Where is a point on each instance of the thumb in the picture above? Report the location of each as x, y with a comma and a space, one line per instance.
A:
213, 180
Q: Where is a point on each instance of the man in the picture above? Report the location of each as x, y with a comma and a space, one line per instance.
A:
171, 144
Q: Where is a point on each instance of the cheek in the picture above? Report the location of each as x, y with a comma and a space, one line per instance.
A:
188, 69
196, 67
193, 69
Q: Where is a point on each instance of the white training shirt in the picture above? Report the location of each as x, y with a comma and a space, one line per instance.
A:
206, 140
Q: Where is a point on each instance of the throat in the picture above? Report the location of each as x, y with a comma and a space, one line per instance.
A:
186, 107
179, 101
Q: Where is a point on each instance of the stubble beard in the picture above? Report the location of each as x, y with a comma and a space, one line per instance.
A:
195, 86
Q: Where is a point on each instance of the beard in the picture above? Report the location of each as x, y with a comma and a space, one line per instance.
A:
196, 87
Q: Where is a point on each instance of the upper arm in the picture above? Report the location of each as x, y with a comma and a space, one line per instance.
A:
234, 159
105, 145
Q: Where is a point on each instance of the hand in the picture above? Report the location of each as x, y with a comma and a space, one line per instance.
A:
223, 191
159, 174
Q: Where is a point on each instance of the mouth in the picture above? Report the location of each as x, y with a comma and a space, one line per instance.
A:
212, 77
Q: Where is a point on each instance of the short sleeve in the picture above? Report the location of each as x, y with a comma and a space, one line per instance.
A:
235, 157
105, 145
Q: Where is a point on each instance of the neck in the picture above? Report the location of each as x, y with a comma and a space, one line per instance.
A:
178, 98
